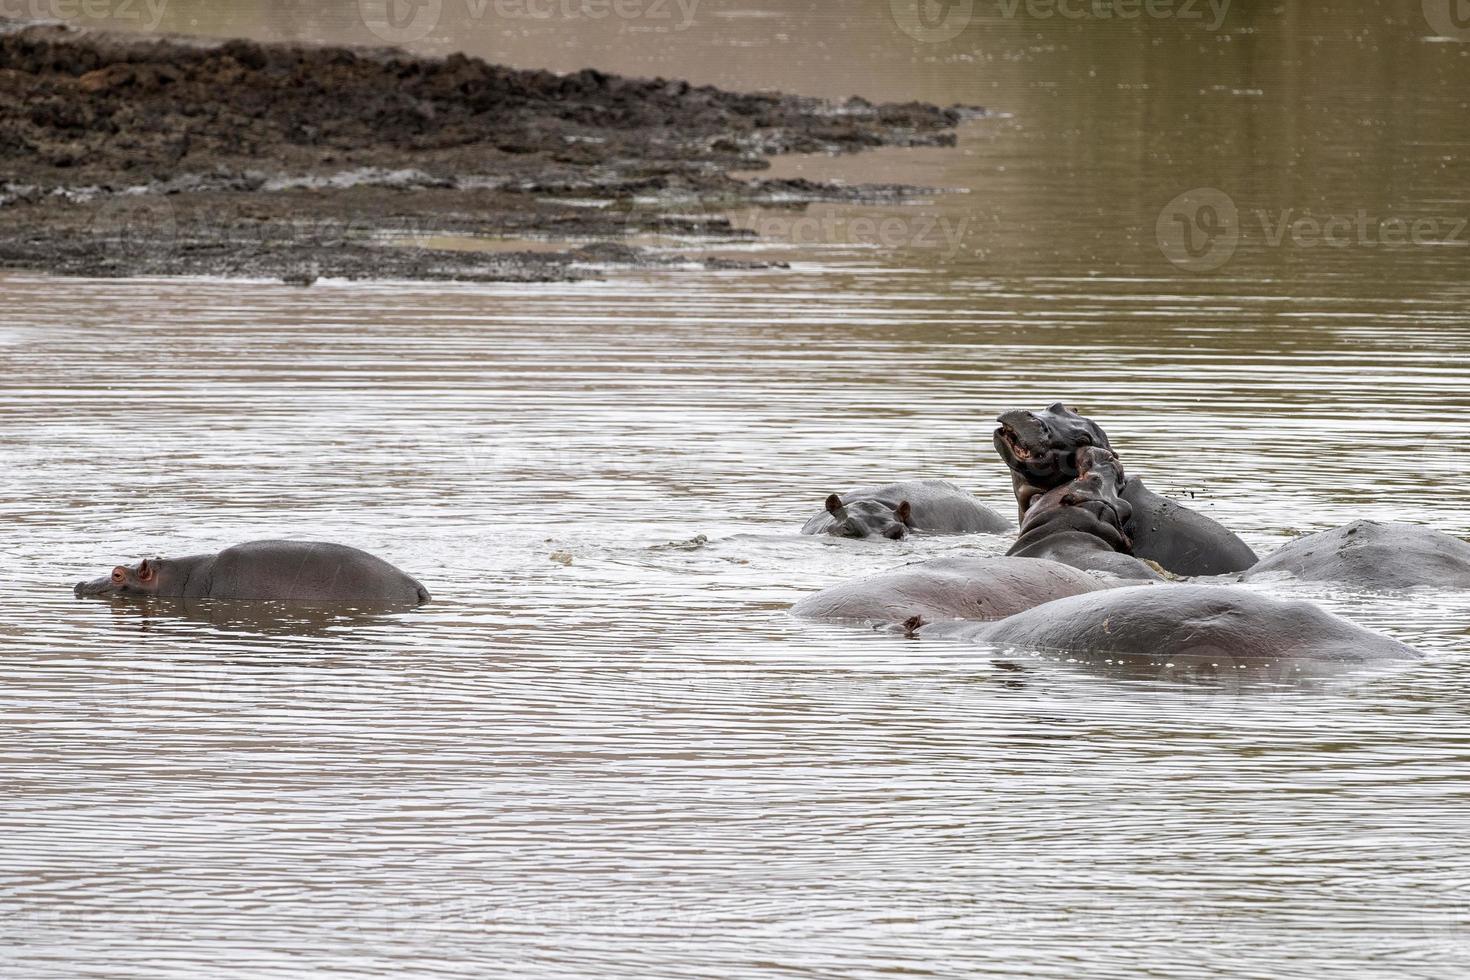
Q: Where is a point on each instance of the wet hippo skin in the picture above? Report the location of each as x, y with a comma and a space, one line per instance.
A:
1172, 623
892, 511
282, 571
949, 588
1040, 450
1373, 555
1081, 523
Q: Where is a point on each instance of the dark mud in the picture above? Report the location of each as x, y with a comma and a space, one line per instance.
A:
124, 155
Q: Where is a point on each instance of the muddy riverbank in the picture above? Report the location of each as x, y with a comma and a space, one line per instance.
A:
149, 155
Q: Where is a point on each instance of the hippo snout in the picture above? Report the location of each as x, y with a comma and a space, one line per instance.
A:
1018, 420
94, 587
1023, 430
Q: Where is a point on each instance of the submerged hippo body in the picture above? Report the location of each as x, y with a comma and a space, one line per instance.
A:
1373, 555
934, 506
1184, 623
1181, 540
948, 588
1040, 448
305, 572
1081, 523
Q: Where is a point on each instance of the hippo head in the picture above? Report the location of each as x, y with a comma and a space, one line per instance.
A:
868, 518
1092, 502
1099, 486
151, 576
1041, 447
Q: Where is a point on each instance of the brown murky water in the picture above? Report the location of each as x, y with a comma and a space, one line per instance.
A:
637, 764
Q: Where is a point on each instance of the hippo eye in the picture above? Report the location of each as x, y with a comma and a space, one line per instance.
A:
117, 575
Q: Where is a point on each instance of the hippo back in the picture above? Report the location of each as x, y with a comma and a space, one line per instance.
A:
1373, 555
936, 505
1179, 539
1171, 622
308, 572
948, 588
1082, 550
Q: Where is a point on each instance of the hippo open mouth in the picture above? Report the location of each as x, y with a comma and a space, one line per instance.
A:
1040, 447
1027, 448
1005, 434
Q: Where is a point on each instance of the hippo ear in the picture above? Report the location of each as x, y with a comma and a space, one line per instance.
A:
834, 505
145, 571
905, 513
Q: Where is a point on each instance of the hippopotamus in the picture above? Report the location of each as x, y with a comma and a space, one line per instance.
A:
1373, 555
1170, 624
949, 588
892, 511
1081, 523
1041, 450
304, 572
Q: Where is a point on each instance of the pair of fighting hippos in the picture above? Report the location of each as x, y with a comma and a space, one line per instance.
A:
1077, 506
1088, 531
